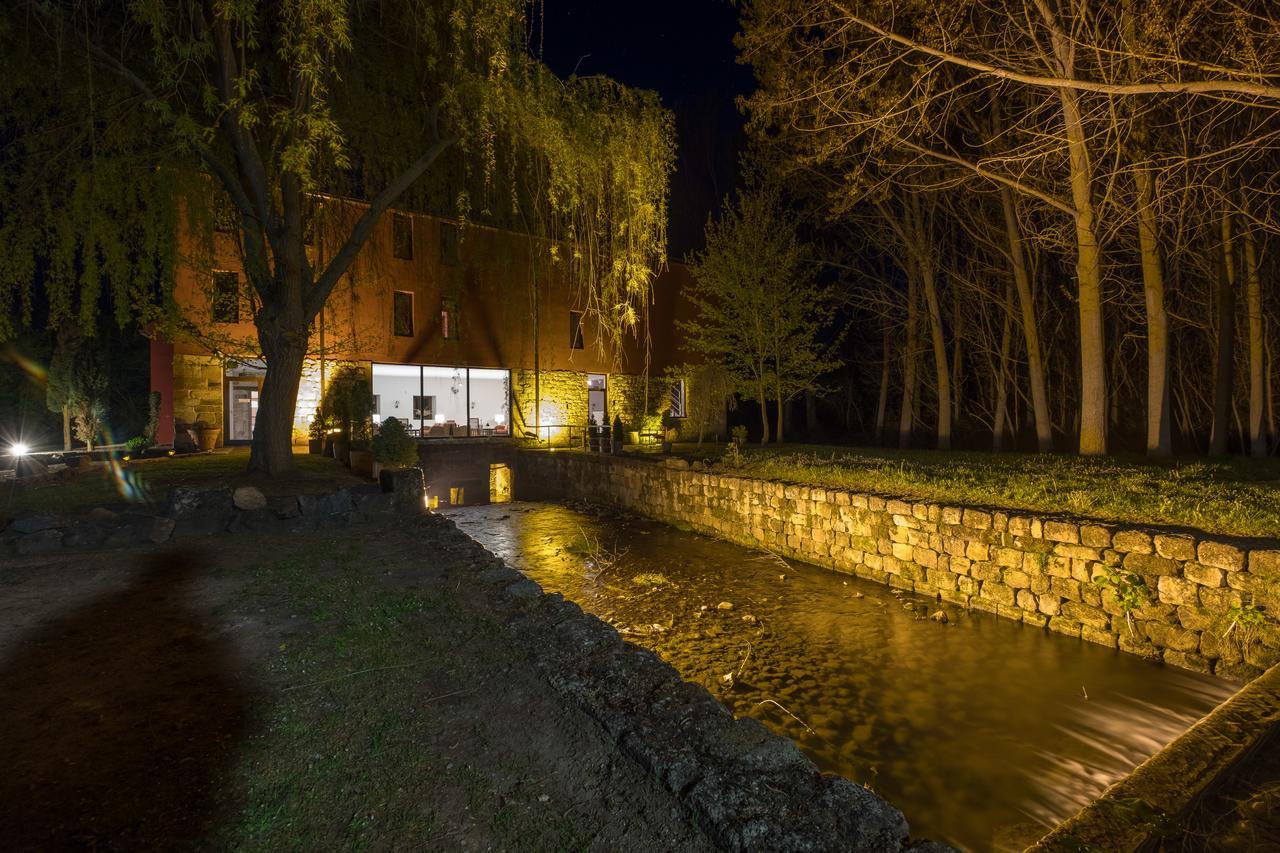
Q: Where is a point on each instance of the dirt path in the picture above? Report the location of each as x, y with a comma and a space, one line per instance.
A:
308, 691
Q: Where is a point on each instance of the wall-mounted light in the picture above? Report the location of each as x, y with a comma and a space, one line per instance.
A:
19, 449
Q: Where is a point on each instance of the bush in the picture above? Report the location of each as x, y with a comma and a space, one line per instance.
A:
739, 435
137, 443
153, 419
393, 446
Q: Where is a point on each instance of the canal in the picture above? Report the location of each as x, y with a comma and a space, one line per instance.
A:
985, 732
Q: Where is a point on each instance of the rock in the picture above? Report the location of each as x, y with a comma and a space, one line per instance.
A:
375, 503
43, 541
284, 506
725, 605
248, 497
102, 515
523, 590
199, 510
161, 529
85, 535
336, 503
749, 619
37, 521
409, 487
940, 616
307, 504
676, 462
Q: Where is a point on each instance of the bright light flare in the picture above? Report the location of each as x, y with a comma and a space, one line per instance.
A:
19, 449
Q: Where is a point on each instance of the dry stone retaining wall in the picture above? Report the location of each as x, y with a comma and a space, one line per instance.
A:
1050, 572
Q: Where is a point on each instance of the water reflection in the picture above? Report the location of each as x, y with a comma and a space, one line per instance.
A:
983, 731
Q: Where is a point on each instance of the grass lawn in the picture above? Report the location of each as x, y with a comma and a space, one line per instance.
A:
146, 482
1235, 496
344, 689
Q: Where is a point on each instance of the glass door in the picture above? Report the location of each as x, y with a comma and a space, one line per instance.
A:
244, 410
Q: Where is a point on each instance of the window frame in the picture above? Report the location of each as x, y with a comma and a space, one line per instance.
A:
577, 339
398, 221
678, 385
394, 306
216, 298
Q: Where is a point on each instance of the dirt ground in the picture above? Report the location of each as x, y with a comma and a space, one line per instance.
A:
333, 690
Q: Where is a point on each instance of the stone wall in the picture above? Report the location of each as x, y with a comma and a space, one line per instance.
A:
561, 395
197, 391
1210, 602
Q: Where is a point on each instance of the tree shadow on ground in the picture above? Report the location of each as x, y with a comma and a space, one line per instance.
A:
118, 720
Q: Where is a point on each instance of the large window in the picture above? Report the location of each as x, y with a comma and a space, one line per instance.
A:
575, 330
677, 399
441, 402
402, 236
402, 313
225, 304
448, 244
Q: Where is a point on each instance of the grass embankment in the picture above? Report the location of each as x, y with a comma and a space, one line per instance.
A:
1237, 496
148, 481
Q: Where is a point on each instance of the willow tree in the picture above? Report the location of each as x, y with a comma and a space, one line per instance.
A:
274, 102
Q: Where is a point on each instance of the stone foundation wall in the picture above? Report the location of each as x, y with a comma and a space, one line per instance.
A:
1210, 603
197, 391
562, 396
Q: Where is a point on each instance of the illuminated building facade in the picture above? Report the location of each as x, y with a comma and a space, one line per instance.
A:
462, 331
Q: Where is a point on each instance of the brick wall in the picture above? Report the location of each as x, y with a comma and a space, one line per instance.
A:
1046, 571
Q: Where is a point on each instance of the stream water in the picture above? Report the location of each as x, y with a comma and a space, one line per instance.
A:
985, 732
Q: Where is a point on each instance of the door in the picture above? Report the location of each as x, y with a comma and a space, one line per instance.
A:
596, 409
244, 410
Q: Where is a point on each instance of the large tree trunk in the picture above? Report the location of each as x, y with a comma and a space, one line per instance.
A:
764, 407
1159, 431
1030, 329
939, 358
282, 334
1093, 378
1002, 376
882, 405
906, 415
1224, 377
1257, 369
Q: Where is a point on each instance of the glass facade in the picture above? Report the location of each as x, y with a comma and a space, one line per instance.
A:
441, 401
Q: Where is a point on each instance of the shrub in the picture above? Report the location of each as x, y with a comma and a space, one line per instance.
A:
138, 442
393, 446
739, 434
153, 418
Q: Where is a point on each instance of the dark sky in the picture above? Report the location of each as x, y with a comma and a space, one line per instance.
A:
682, 50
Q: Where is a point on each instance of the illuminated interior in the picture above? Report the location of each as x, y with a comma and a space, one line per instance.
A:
441, 401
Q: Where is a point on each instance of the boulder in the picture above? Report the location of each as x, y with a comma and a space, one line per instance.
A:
409, 487
284, 506
43, 541
84, 535
248, 498
34, 522
161, 529
199, 510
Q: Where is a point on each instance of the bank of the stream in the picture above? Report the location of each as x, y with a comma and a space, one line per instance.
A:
983, 731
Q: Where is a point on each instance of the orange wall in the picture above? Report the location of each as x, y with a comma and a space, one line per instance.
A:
490, 284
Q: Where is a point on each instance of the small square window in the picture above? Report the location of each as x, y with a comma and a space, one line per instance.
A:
677, 399
402, 236
402, 314
575, 330
225, 303
448, 244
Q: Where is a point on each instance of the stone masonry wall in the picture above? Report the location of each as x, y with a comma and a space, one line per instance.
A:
1037, 569
197, 390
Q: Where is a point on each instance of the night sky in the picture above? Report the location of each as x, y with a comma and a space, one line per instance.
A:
685, 52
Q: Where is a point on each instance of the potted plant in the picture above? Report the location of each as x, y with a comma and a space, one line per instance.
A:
670, 426
316, 433
351, 401
619, 433
393, 447
206, 436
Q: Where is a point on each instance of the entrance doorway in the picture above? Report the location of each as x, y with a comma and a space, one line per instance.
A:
243, 410
597, 411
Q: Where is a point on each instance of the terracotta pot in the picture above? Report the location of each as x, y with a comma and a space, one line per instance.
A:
207, 438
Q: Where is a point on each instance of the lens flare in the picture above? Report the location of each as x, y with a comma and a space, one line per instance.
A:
19, 449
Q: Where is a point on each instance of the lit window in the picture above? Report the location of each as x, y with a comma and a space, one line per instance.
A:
402, 314
402, 236
448, 244
575, 330
377, 404
677, 399
225, 303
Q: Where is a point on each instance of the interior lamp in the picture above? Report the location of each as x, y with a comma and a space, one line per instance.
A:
499, 417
